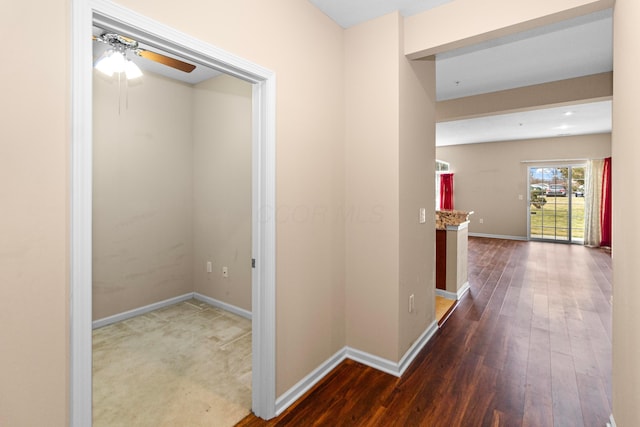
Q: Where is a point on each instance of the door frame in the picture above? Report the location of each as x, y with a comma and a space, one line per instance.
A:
84, 14
551, 164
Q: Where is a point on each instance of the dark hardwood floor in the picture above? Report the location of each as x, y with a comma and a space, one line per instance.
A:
530, 345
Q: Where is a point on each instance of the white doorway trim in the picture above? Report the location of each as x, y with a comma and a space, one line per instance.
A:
84, 14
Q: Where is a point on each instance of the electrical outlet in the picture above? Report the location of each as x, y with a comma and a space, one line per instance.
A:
209, 267
411, 303
481, 221
225, 271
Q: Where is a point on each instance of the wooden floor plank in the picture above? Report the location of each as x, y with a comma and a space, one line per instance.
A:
567, 409
593, 395
530, 345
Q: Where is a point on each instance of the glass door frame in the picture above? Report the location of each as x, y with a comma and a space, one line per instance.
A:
570, 166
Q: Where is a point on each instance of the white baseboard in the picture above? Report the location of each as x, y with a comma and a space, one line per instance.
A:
394, 368
376, 362
161, 304
498, 236
454, 295
140, 310
305, 384
612, 422
463, 289
223, 305
379, 363
446, 294
413, 351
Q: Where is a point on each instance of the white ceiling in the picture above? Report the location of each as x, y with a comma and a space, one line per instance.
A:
348, 13
573, 48
580, 119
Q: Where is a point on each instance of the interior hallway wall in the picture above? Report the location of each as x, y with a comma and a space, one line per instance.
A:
34, 215
390, 159
372, 186
142, 193
626, 235
417, 170
222, 129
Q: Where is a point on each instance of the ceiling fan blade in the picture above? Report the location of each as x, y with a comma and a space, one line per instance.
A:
165, 60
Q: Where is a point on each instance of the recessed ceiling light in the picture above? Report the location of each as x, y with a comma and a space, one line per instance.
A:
569, 113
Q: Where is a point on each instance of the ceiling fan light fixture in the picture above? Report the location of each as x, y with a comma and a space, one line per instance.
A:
103, 64
117, 61
131, 70
113, 61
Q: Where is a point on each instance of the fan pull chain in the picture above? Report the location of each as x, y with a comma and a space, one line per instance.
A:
119, 92
126, 93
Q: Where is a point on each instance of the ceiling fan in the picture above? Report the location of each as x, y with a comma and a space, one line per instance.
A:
120, 45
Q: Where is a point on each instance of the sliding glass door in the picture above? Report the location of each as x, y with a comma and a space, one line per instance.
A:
556, 203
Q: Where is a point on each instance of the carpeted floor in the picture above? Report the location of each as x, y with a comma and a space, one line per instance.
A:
184, 365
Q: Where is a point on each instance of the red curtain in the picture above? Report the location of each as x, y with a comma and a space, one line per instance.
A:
446, 191
605, 206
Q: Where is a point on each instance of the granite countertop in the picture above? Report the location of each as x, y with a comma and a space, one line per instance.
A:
453, 217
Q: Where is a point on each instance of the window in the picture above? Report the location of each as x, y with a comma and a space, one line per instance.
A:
441, 167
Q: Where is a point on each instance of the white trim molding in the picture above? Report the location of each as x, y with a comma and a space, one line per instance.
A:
393, 368
80, 250
463, 290
446, 294
289, 397
454, 295
457, 227
373, 361
140, 310
223, 305
498, 236
166, 303
415, 348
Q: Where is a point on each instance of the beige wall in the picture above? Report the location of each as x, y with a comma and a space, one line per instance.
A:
142, 193
172, 190
457, 253
626, 235
416, 170
372, 185
34, 227
390, 163
591, 88
490, 177
222, 189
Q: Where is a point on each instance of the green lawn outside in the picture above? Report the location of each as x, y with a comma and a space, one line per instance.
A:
551, 221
